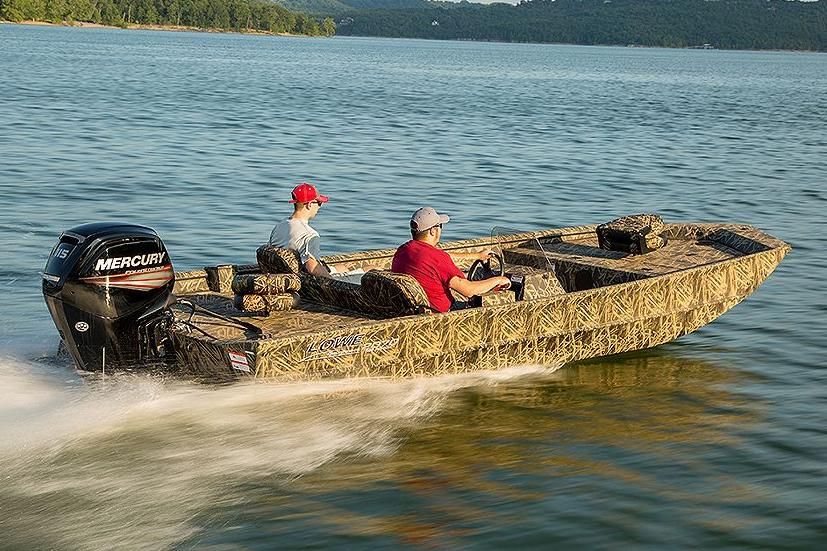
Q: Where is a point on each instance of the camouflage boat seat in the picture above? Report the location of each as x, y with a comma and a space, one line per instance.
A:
265, 292
264, 304
265, 284
382, 293
334, 292
278, 260
331, 292
392, 294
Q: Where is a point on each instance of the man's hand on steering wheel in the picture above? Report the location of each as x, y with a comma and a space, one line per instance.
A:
503, 283
481, 268
485, 255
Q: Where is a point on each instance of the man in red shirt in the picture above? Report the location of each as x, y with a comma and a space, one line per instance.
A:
433, 268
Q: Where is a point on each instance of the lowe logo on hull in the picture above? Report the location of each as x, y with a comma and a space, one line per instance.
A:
347, 345
136, 261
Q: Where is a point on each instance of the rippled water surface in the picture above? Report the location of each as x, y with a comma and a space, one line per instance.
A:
716, 440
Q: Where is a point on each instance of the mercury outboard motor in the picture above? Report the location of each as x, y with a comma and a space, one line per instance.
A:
108, 287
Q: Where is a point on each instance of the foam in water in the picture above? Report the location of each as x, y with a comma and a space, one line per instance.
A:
99, 455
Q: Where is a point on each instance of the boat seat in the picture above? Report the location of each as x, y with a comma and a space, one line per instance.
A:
381, 293
265, 303
334, 292
278, 260
393, 294
265, 284
322, 290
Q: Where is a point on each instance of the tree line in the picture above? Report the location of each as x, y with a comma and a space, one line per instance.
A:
731, 24
230, 15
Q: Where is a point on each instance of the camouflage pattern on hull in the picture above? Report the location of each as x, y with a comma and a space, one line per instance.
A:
627, 303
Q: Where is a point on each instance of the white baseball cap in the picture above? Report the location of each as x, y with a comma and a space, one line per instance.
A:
426, 218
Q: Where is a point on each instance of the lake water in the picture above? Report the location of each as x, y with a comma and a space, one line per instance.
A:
716, 440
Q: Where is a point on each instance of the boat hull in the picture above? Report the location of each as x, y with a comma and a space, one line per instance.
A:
578, 325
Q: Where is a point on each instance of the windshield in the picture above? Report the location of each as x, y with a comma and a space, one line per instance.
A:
504, 239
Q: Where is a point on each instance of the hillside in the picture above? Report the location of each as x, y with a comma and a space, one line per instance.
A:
730, 24
336, 7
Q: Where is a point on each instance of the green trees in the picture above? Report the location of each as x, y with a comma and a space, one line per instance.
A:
240, 15
328, 27
22, 10
57, 11
109, 14
306, 25
745, 24
235, 15
12, 10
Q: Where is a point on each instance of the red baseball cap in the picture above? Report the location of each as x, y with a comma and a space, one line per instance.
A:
305, 193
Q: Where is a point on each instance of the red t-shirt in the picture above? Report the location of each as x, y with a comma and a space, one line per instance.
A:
431, 267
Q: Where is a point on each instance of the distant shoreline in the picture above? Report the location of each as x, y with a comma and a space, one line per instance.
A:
138, 26
182, 28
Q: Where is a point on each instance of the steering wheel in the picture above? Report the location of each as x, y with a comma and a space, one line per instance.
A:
481, 269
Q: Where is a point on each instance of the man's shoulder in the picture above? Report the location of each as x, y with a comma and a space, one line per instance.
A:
302, 227
423, 248
402, 254
440, 253
280, 233
404, 246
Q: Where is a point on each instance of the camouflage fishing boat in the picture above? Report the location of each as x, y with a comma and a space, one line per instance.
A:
576, 293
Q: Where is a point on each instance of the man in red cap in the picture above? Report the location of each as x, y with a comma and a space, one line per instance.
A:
295, 232
434, 269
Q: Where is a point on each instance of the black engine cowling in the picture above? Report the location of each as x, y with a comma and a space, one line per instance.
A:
108, 287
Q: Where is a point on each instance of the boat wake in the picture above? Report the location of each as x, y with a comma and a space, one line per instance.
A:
100, 453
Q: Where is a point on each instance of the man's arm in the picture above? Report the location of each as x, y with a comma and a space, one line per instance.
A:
469, 289
316, 268
313, 266
311, 253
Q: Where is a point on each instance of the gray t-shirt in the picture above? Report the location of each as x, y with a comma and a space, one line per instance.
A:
299, 236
